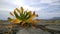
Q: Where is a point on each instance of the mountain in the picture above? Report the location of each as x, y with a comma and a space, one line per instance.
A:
55, 18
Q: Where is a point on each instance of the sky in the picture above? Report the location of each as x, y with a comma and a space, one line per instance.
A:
46, 9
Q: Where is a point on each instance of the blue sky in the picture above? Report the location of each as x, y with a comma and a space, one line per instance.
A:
46, 9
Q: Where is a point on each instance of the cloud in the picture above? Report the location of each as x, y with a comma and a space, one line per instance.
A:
4, 15
42, 4
10, 4
45, 8
48, 15
53, 8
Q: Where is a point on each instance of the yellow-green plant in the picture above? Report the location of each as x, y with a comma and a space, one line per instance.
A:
22, 17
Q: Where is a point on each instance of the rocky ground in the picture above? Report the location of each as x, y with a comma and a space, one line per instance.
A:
32, 31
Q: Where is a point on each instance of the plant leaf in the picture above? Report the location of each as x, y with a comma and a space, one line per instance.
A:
16, 15
10, 19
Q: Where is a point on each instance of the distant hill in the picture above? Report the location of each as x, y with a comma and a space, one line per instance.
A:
55, 18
